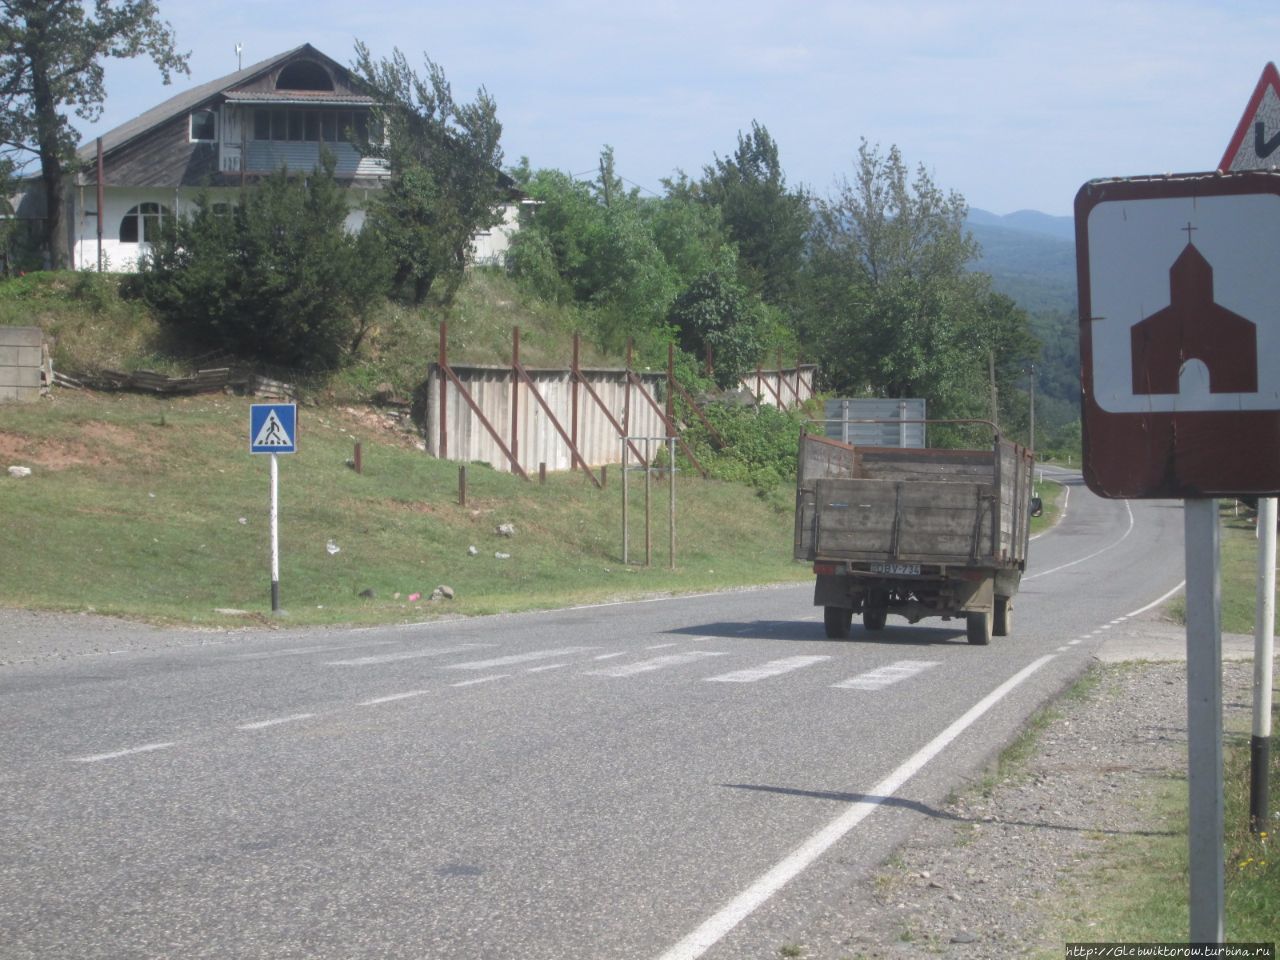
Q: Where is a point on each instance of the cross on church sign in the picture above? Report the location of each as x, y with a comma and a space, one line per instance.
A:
1179, 285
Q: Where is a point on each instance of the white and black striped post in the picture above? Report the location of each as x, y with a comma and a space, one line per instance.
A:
1263, 651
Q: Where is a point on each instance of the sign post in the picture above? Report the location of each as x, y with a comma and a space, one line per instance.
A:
1204, 719
273, 429
1177, 294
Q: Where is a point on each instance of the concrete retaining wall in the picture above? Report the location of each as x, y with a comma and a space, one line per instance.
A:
21, 363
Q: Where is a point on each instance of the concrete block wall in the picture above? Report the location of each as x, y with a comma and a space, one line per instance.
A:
21, 360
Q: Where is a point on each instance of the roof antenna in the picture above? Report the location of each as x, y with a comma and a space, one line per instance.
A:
239, 59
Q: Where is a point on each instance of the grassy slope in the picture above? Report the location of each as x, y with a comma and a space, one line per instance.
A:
135, 504
92, 328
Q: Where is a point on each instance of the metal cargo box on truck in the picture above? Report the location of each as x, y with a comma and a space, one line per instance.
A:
919, 533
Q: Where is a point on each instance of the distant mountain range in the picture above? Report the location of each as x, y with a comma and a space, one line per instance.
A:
1027, 221
1031, 257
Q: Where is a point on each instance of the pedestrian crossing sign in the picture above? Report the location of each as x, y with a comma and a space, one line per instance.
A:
273, 428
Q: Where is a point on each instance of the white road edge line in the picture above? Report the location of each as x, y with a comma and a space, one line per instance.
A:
145, 748
744, 904
1155, 603
275, 721
1096, 553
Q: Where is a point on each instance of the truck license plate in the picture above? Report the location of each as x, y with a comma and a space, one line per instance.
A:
897, 569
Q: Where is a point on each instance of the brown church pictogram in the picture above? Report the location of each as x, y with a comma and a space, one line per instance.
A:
1193, 327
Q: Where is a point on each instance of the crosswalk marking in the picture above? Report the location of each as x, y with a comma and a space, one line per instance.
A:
519, 658
657, 663
411, 655
882, 677
771, 669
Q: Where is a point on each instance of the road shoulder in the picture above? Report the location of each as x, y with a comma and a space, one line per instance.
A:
988, 874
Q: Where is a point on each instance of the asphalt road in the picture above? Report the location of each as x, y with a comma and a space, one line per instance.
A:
667, 779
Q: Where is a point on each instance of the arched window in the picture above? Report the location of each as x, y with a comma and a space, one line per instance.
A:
304, 75
142, 223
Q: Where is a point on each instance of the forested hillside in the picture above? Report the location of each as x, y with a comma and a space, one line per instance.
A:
1031, 257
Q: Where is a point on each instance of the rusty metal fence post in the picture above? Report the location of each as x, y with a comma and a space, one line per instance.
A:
647, 465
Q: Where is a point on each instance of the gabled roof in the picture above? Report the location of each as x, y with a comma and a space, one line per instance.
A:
222, 88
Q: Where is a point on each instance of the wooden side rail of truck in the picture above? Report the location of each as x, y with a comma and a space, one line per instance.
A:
915, 532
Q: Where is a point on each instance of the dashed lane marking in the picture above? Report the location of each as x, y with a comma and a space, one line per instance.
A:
274, 722
394, 696
488, 679
145, 748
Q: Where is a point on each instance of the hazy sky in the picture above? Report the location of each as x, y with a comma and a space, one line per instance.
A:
1013, 104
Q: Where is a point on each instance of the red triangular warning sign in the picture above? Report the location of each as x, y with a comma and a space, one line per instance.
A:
1256, 142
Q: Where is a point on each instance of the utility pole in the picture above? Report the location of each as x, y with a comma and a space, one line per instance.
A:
991, 369
1031, 442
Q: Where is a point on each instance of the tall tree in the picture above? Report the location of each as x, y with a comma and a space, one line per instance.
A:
51, 56
767, 219
894, 306
445, 160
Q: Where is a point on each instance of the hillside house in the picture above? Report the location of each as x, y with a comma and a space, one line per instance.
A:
223, 135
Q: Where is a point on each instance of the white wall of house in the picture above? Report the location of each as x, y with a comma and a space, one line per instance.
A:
489, 247
118, 255
121, 251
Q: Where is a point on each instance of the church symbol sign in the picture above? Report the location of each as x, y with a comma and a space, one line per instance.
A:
1180, 334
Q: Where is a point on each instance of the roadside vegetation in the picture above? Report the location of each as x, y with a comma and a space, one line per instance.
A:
155, 510
1137, 890
1239, 569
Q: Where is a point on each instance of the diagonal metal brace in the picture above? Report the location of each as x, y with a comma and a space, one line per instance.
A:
573, 450
671, 428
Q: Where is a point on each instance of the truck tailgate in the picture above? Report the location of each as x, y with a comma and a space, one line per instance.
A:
916, 520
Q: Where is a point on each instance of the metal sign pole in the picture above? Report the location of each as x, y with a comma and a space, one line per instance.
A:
1263, 652
648, 510
626, 493
1204, 718
671, 507
275, 534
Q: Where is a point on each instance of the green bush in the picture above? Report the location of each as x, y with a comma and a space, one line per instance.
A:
276, 278
758, 449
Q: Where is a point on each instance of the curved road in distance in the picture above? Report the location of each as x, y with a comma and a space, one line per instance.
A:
675, 778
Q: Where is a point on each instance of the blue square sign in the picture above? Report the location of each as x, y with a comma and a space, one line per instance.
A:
273, 428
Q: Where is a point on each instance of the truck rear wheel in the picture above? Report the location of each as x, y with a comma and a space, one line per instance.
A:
874, 618
1003, 617
838, 621
978, 628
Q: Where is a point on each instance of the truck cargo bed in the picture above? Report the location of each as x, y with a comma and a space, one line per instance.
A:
924, 505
